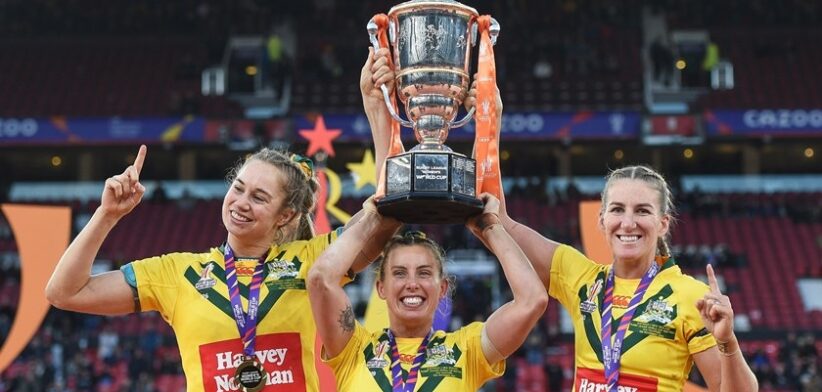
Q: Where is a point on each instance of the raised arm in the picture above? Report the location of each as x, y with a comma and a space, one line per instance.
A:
331, 306
723, 367
72, 287
540, 250
376, 72
370, 223
508, 327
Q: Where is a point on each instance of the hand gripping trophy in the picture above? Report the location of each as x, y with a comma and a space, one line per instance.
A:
431, 42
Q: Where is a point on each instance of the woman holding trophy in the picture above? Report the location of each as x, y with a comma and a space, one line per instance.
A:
412, 280
670, 321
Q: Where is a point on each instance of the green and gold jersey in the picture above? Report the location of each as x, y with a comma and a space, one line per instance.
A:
454, 361
662, 337
189, 290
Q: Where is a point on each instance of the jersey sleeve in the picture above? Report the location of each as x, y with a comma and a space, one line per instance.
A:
564, 273
477, 368
345, 363
157, 283
317, 245
697, 336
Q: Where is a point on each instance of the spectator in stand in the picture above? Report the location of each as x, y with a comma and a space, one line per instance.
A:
269, 249
107, 341
159, 195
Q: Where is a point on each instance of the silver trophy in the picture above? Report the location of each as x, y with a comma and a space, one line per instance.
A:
431, 42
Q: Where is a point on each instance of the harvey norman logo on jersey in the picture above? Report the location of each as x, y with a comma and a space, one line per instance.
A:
280, 355
590, 380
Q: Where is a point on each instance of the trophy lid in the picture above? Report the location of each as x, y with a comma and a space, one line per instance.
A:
448, 5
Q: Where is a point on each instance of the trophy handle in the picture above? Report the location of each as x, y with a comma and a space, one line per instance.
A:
493, 31
372, 35
464, 120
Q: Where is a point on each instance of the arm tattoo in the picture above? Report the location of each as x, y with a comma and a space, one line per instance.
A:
722, 346
347, 319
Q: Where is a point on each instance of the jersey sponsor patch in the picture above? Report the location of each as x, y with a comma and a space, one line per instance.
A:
591, 380
622, 301
279, 353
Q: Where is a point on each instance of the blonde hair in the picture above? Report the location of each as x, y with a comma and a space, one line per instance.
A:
656, 182
300, 187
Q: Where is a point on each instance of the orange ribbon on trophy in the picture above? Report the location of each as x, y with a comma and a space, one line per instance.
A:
486, 149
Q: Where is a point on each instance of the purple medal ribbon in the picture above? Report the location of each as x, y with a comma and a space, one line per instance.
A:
407, 385
611, 353
246, 322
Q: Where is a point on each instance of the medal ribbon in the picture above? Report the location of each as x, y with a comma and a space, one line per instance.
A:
407, 385
611, 353
246, 322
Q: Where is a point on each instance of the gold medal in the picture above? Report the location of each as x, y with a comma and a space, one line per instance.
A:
250, 375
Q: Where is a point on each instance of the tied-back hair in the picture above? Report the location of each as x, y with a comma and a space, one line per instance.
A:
655, 181
411, 238
300, 187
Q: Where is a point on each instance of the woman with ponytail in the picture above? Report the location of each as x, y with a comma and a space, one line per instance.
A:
640, 323
240, 311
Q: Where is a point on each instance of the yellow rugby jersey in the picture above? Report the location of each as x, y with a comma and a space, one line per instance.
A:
190, 292
662, 337
454, 361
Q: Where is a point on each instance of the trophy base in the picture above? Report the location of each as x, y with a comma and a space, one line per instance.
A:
429, 207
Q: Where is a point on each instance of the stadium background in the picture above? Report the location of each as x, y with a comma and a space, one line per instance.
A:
586, 87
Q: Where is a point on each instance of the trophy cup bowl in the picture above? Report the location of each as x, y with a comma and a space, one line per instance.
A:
431, 42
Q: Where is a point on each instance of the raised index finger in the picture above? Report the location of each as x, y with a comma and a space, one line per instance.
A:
141, 157
712, 279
